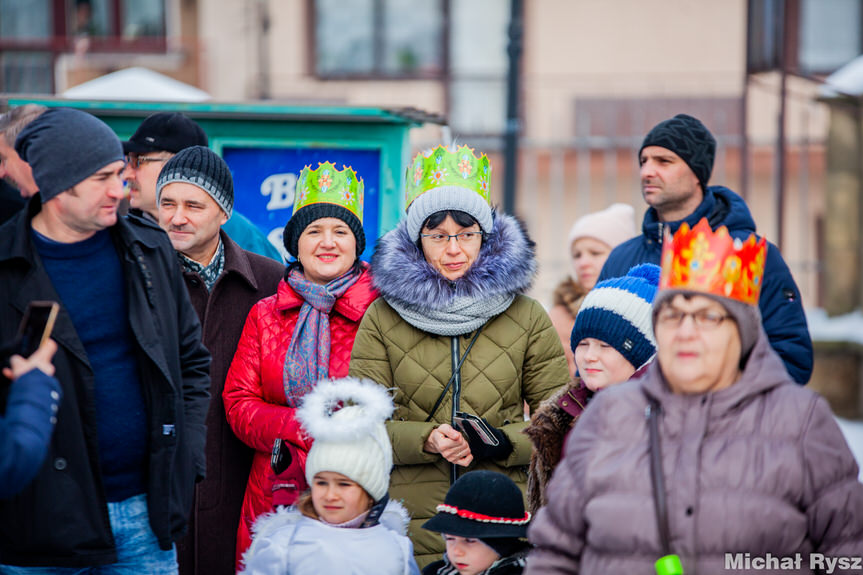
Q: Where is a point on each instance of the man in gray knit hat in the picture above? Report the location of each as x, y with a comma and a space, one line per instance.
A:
159, 137
676, 159
128, 447
195, 197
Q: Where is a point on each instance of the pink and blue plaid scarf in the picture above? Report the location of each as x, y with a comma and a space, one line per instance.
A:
308, 358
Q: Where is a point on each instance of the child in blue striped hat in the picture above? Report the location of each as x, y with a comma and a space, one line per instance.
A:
612, 339
613, 333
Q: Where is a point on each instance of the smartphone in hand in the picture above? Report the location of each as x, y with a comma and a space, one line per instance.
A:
463, 421
281, 458
36, 326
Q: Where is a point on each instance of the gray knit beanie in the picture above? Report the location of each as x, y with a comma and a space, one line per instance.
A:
64, 147
201, 167
448, 198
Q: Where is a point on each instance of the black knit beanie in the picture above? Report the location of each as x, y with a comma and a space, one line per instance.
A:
201, 167
688, 138
301, 219
64, 147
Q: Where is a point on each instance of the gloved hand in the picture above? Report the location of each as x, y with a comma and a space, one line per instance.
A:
481, 450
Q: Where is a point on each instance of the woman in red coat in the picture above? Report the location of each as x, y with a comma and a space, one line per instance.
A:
300, 335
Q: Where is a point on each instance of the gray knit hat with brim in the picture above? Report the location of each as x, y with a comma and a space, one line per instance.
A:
64, 147
203, 168
448, 198
747, 317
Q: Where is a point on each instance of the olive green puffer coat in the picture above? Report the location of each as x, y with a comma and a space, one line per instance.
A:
517, 357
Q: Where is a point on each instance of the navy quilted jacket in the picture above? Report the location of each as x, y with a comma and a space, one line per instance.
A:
781, 308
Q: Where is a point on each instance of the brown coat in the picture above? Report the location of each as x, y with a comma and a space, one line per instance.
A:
210, 544
759, 467
547, 431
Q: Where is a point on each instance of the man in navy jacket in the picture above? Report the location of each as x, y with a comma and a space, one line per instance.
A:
676, 160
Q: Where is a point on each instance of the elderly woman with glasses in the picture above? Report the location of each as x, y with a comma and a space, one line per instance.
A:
714, 459
455, 336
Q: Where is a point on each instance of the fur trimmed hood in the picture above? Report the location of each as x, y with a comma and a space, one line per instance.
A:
506, 265
287, 541
395, 518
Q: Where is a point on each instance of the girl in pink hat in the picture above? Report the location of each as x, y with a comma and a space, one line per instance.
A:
591, 239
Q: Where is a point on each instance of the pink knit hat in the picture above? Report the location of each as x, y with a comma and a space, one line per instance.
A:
613, 225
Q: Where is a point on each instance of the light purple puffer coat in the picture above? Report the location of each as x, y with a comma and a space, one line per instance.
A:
760, 467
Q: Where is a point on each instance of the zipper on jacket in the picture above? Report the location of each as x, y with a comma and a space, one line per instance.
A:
659, 225
456, 392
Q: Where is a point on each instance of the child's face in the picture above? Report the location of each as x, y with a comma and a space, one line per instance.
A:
600, 365
469, 556
336, 498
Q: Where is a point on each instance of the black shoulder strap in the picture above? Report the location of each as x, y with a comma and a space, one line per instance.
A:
455, 372
652, 413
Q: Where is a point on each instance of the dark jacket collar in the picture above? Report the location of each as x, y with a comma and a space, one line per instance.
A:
720, 206
237, 261
19, 245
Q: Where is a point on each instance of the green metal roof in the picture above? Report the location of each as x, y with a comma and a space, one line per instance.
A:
249, 110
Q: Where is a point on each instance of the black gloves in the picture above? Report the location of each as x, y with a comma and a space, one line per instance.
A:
481, 449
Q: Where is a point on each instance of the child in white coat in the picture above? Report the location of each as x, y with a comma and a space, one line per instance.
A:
345, 523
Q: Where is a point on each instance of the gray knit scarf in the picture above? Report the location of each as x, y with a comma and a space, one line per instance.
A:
462, 315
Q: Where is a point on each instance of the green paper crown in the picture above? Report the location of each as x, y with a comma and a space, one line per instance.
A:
442, 167
327, 185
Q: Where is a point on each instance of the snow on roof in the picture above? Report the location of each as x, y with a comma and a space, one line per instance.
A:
848, 327
136, 83
847, 80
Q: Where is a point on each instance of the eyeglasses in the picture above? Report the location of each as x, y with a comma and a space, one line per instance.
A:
703, 319
464, 238
136, 161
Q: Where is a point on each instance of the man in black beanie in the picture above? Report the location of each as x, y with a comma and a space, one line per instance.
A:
676, 159
195, 197
128, 445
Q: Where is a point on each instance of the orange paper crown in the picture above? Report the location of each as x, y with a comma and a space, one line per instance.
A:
702, 260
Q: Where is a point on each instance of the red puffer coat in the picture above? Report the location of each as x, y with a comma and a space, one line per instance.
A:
254, 393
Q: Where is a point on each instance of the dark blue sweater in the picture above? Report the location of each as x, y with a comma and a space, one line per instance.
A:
88, 277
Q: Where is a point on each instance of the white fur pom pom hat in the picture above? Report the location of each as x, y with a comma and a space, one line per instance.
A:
345, 418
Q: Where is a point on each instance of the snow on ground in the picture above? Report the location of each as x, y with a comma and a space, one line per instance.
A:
848, 327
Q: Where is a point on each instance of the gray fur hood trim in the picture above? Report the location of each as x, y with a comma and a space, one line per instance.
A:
506, 266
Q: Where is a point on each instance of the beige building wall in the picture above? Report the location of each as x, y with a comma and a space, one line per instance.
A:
573, 50
627, 48
231, 32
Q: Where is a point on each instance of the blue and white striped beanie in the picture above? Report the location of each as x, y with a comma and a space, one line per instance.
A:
619, 312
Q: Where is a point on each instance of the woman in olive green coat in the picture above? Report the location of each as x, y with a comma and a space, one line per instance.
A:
452, 277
